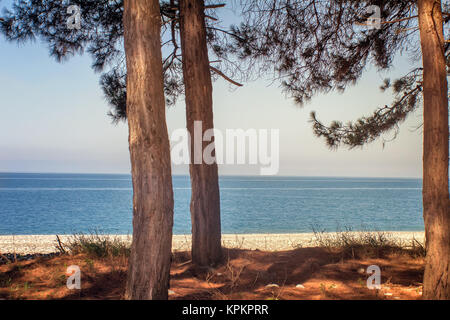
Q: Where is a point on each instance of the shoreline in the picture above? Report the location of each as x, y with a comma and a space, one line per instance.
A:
45, 244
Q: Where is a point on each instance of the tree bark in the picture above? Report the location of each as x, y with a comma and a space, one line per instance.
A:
205, 198
149, 263
435, 152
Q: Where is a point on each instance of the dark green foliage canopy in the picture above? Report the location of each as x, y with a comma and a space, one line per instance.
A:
319, 46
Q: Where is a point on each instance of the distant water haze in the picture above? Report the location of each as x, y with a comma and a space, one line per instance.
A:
72, 203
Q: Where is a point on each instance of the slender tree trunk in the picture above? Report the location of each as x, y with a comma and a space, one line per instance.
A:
149, 263
205, 199
435, 153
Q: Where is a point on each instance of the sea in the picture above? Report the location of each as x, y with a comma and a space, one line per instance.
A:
38, 203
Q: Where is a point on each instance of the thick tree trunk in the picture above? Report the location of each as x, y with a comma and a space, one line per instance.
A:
435, 153
149, 263
205, 199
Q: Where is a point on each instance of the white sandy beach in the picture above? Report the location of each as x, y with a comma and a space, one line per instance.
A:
31, 244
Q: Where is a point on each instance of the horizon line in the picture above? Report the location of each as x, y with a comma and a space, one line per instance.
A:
220, 175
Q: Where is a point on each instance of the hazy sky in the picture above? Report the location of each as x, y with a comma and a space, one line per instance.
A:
53, 119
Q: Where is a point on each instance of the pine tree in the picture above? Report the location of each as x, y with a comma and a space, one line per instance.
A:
316, 47
151, 250
205, 201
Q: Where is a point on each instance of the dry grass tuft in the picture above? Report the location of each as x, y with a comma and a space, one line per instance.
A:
96, 245
367, 244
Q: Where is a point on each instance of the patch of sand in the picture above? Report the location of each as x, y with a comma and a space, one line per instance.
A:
31, 244
297, 274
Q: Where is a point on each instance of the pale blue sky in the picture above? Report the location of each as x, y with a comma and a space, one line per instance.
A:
54, 119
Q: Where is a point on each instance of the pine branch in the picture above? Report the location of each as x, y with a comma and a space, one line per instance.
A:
220, 73
215, 6
384, 119
399, 20
209, 17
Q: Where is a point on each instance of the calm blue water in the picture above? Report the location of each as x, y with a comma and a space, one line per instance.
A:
69, 203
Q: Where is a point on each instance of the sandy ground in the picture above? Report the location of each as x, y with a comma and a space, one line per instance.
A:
30, 244
296, 274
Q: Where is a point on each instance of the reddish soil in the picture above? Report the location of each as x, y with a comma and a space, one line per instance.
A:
244, 275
